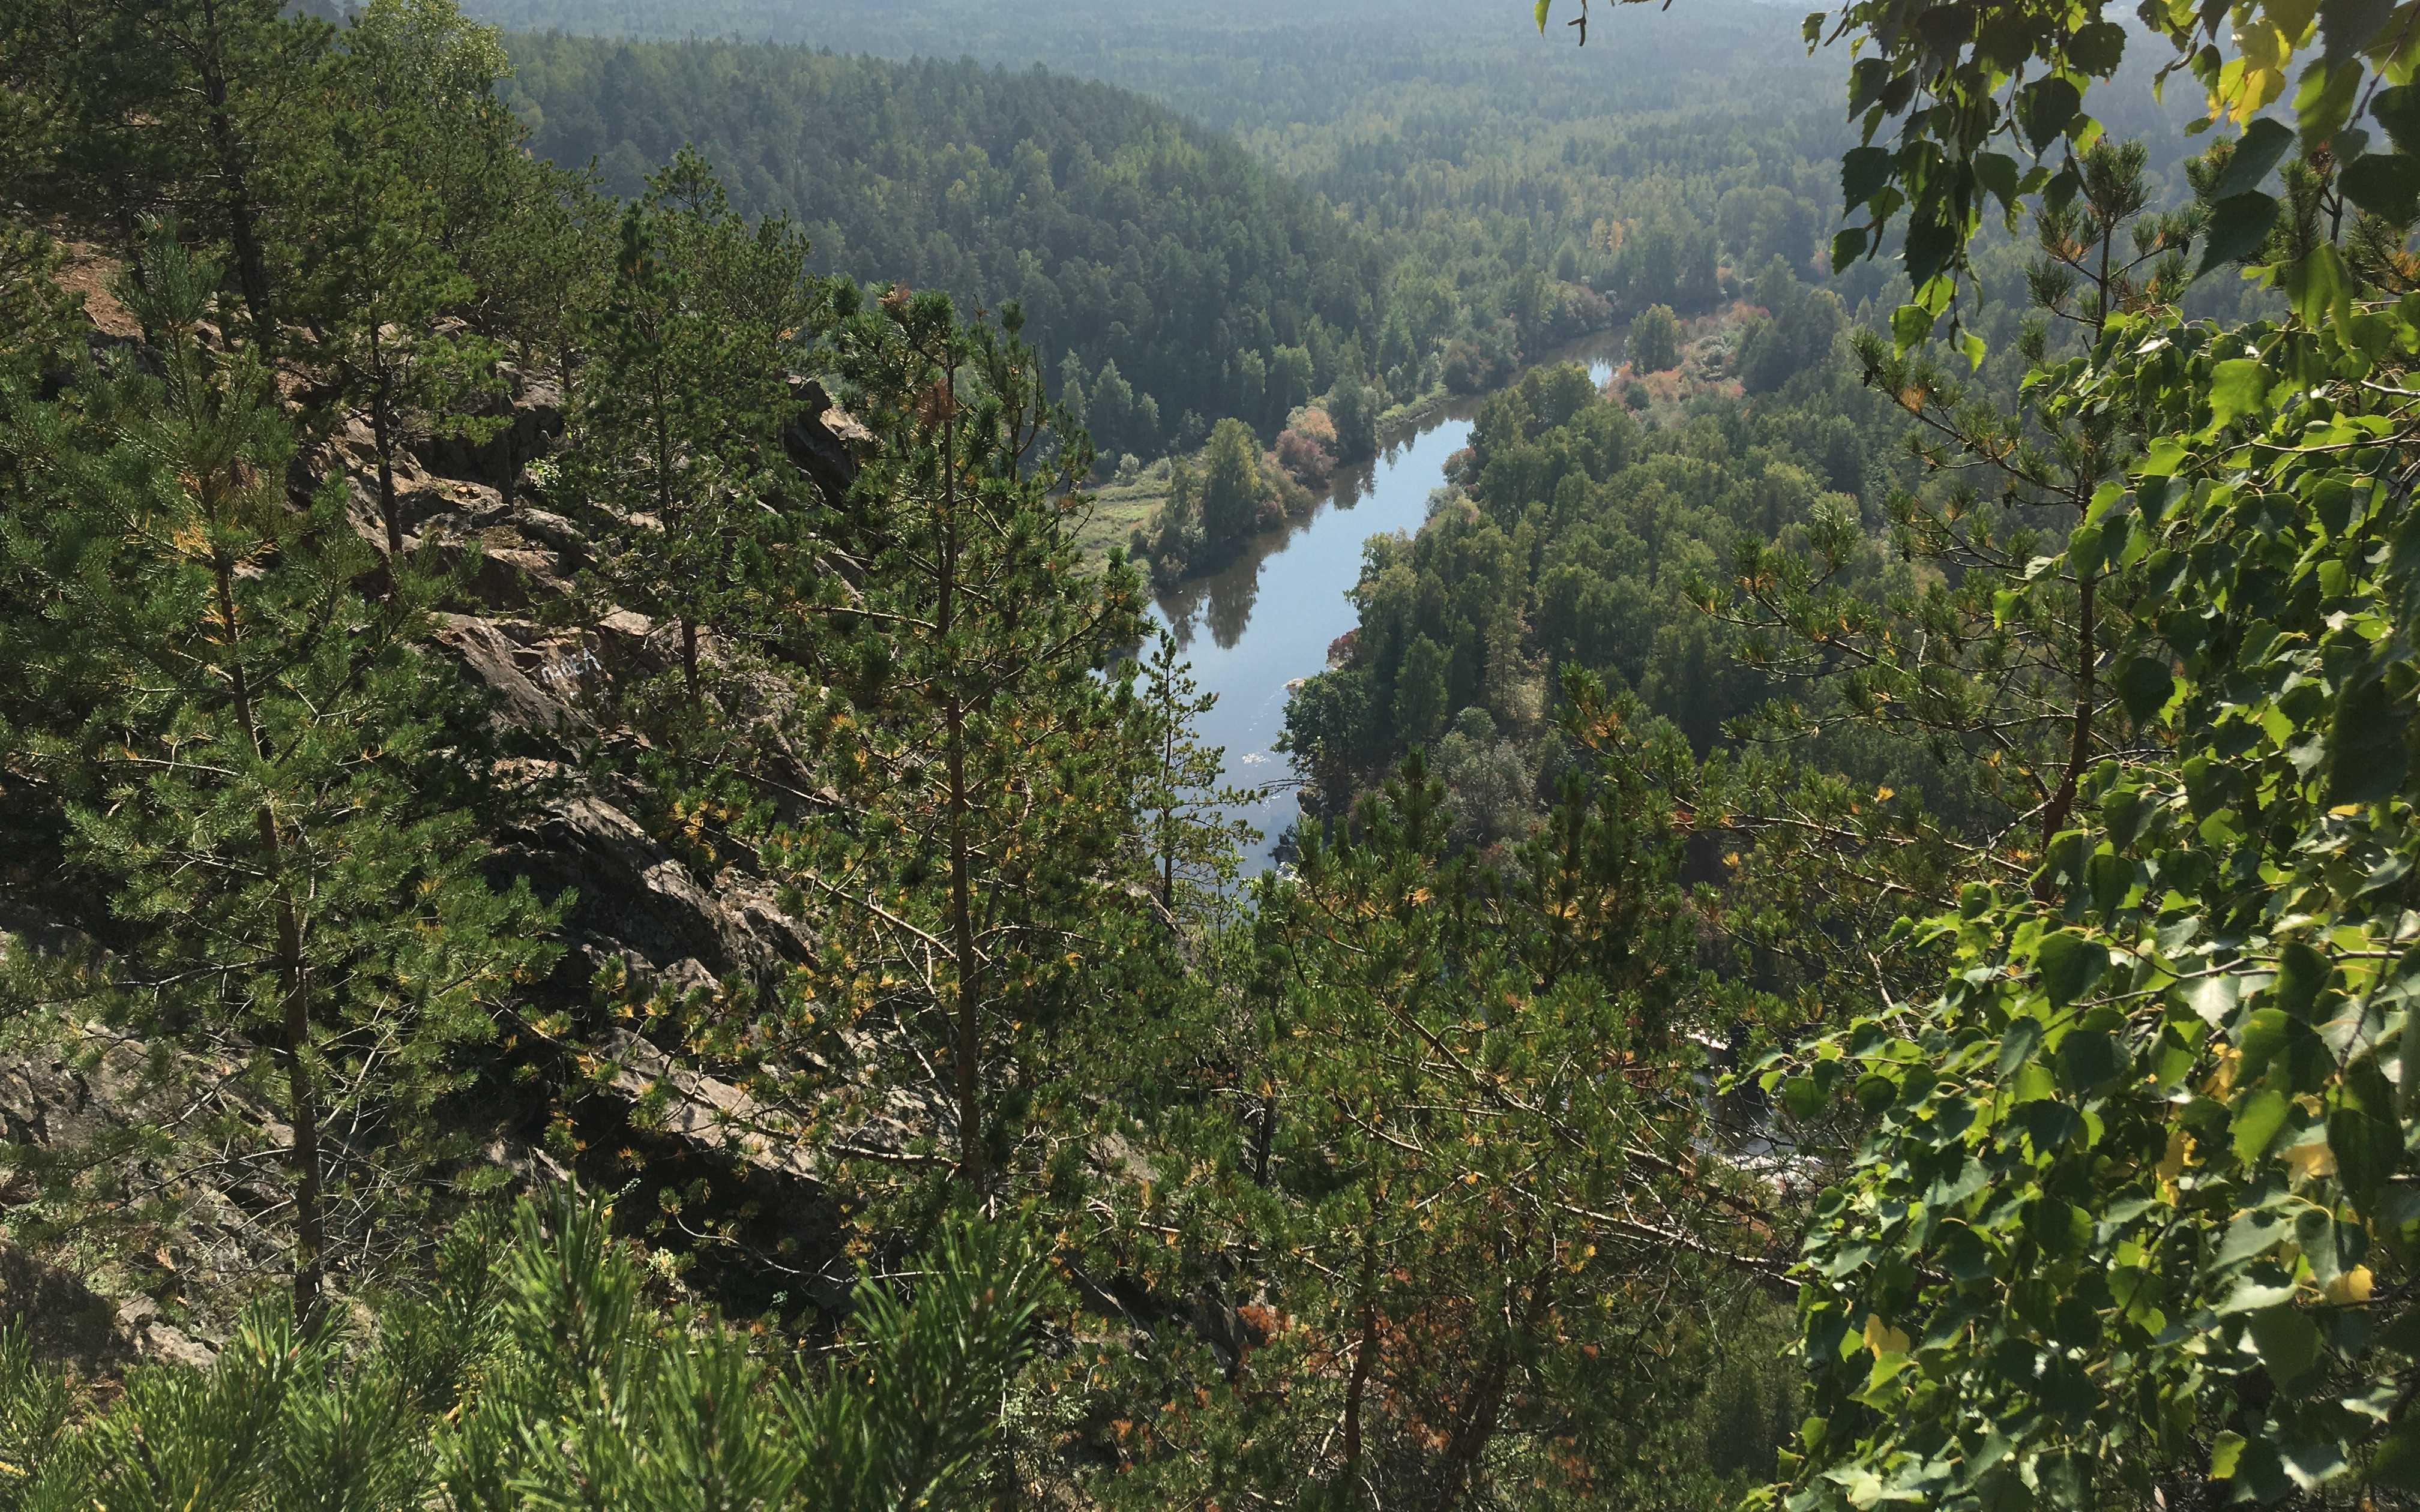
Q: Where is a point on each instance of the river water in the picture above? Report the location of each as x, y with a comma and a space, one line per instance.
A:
1266, 618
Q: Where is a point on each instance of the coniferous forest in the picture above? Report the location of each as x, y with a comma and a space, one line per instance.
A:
615, 892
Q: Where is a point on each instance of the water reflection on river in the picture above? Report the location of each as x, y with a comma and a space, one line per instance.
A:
1267, 618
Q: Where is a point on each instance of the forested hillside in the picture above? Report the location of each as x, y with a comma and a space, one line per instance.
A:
1186, 282
1482, 205
596, 909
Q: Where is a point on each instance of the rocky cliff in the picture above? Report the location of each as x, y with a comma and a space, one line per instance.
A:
544, 661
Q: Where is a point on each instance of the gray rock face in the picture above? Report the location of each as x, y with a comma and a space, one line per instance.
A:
547, 667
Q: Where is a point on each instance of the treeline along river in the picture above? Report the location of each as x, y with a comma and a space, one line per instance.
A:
1266, 618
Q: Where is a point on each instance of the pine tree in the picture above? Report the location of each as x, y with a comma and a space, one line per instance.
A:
375, 281
542, 266
34, 310
1190, 838
983, 757
181, 107
1422, 701
252, 765
678, 431
530, 1372
1110, 412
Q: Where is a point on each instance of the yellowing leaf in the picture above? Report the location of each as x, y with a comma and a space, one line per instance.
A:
2310, 1159
2179, 1155
2350, 1286
1882, 1338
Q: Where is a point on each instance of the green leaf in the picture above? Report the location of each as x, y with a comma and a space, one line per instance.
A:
2017, 1045
2319, 286
1848, 247
2349, 25
2366, 751
1997, 172
2397, 1466
1545, 7
2302, 974
2323, 104
2097, 47
2071, 964
2383, 183
2225, 1451
1863, 170
2251, 1296
2364, 1149
1910, 325
2287, 1341
2236, 387
2213, 1000
1802, 1098
2237, 228
2262, 144
2146, 683
2257, 1122
2046, 108
2087, 1058
2398, 111
2084, 550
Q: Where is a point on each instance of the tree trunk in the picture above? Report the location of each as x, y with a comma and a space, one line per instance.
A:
1264, 1136
382, 440
2079, 749
1474, 1428
2062, 801
664, 522
1167, 774
1482, 1404
968, 1068
302, 1093
1358, 1384
294, 981
251, 263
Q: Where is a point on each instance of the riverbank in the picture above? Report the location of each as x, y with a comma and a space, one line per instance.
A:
1264, 619
1119, 509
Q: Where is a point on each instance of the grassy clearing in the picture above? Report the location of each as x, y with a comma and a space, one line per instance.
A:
1117, 509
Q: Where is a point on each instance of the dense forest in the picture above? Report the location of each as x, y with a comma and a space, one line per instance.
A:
1175, 279
597, 908
1408, 222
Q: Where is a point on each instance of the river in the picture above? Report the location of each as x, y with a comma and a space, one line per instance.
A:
1267, 618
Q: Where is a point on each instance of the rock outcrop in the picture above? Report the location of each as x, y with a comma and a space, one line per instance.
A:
545, 666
